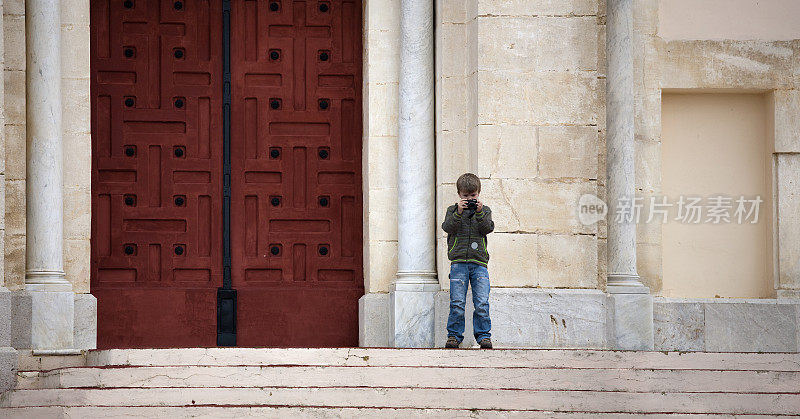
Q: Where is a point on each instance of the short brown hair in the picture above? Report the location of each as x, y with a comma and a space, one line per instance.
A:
468, 183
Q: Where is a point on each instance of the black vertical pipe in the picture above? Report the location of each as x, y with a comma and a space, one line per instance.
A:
226, 295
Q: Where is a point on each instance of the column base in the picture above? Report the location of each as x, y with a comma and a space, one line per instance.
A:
625, 284
43, 320
411, 312
83, 326
47, 281
373, 320
8, 355
631, 320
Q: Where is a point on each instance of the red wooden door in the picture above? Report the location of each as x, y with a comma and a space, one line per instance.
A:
296, 204
156, 171
157, 177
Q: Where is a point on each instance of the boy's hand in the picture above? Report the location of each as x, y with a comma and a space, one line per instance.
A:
480, 206
461, 205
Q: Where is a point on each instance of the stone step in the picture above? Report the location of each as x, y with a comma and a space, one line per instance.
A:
428, 398
323, 412
524, 378
498, 358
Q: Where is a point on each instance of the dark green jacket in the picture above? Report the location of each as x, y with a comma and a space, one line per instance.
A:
466, 234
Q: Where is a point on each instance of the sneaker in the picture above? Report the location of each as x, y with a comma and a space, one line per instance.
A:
486, 343
452, 342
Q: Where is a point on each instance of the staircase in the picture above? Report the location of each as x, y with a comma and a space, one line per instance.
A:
402, 383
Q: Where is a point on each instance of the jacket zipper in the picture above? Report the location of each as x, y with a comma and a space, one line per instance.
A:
469, 237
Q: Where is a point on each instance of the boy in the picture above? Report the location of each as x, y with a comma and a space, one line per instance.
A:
467, 223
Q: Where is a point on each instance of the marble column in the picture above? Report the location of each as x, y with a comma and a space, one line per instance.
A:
630, 303
622, 275
52, 300
412, 292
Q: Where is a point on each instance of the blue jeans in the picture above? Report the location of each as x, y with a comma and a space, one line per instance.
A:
461, 275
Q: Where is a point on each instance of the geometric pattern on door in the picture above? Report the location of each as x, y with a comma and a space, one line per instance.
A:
296, 215
157, 171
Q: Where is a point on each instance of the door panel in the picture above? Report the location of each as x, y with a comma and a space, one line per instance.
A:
157, 175
156, 171
296, 204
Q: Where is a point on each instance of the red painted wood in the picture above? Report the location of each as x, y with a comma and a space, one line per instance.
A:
298, 297
155, 297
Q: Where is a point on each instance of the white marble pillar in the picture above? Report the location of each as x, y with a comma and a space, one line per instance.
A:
51, 294
412, 293
622, 275
630, 305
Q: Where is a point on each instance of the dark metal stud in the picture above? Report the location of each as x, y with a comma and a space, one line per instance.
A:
323, 154
178, 250
323, 201
275, 201
323, 250
178, 5
179, 201
129, 201
274, 104
129, 151
274, 153
178, 53
178, 152
274, 55
323, 104
129, 102
275, 250
274, 6
129, 250
128, 4
323, 56
128, 52
178, 103
323, 7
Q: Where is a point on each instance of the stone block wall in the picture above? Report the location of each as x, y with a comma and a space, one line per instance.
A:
2, 164
718, 65
381, 111
520, 104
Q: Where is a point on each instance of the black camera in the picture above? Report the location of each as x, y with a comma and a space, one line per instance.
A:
472, 204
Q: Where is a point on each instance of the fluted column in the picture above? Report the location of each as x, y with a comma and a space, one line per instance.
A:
411, 311
51, 294
622, 275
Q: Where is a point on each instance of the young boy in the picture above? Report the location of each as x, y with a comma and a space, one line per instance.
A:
467, 223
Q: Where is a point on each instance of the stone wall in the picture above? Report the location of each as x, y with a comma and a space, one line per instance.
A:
381, 109
2, 164
76, 137
718, 65
520, 104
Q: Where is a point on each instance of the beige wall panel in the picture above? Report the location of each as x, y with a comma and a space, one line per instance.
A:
717, 144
